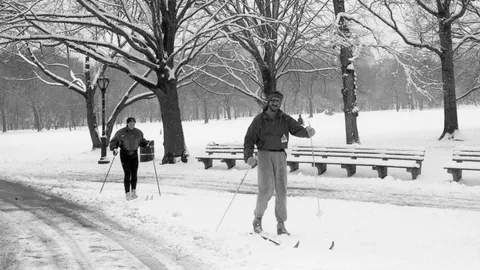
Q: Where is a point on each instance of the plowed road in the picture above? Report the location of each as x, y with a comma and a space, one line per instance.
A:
39, 231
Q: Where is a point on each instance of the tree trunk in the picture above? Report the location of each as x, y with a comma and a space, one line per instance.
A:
268, 76
92, 119
397, 98
205, 108
348, 80
450, 124
89, 97
4, 121
411, 104
311, 95
228, 107
72, 120
36, 117
310, 107
284, 104
173, 137
111, 121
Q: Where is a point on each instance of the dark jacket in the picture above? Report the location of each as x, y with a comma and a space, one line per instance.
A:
266, 133
128, 140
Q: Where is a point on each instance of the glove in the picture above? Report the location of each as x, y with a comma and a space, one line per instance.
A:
115, 151
310, 132
251, 161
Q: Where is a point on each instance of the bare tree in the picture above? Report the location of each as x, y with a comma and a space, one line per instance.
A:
266, 36
429, 25
162, 36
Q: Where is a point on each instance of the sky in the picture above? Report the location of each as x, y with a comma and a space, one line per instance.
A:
391, 223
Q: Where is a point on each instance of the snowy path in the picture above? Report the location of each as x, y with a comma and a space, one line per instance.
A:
382, 191
40, 231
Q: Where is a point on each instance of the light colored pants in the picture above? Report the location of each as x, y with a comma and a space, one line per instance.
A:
272, 176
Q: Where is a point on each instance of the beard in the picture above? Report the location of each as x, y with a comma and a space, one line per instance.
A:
273, 107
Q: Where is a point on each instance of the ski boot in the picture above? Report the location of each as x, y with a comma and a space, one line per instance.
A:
133, 194
257, 225
281, 228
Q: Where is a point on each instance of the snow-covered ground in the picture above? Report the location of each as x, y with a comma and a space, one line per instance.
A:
391, 223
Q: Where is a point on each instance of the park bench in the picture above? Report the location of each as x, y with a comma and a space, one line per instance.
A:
464, 158
227, 153
351, 156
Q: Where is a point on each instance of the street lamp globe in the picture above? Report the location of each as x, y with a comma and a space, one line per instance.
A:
103, 82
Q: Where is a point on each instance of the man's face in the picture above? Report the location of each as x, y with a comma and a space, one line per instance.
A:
131, 125
274, 104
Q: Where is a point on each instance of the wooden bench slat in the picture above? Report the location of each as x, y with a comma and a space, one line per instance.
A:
359, 151
224, 151
364, 162
469, 148
463, 166
222, 156
466, 158
363, 147
356, 155
466, 154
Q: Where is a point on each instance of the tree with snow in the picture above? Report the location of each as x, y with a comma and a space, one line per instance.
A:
435, 26
349, 86
134, 37
263, 40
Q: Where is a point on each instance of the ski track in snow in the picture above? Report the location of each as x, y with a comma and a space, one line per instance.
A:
402, 196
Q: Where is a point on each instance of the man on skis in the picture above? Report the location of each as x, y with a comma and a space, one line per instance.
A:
269, 131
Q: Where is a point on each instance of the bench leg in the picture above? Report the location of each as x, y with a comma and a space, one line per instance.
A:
382, 171
419, 162
321, 168
456, 173
415, 172
207, 162
351, 169
292, 165
230, 163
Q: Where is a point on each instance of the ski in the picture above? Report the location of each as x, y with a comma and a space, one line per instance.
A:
269, 238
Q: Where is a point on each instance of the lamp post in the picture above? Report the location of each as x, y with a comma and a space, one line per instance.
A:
102, 83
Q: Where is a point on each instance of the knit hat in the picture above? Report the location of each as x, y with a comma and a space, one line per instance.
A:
131, 119
275, 94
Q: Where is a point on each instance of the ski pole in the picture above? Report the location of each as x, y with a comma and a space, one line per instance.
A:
319, 212
155, 169
238, 188
107, 174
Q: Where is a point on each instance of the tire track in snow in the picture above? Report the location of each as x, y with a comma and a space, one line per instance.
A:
69, 236
402, 196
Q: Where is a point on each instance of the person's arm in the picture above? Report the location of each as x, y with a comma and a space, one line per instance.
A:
144, 143
251, 139
115, 141
295, 128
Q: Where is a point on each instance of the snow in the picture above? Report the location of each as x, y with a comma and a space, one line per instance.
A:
391, 223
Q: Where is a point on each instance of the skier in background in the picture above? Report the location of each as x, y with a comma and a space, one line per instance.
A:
128, 139
300, 119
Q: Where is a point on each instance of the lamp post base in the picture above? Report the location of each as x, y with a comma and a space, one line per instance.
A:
103, 159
